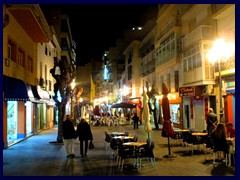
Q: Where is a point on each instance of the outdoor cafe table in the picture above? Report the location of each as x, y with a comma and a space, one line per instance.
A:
181, 130
199, 134
136, 146
116, 133
124, 138
179, 134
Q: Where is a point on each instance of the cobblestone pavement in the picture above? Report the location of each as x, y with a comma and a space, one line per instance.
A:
39, 155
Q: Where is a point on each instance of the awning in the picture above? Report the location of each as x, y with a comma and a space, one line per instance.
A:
123, 105
32, 94
43, 94
35, 92
230, 90
14, 89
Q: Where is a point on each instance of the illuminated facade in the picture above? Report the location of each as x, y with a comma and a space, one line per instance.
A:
20, 71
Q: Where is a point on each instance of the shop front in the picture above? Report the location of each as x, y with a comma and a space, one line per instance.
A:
45, 110
195, 107
229, 99
175, 109
17, 111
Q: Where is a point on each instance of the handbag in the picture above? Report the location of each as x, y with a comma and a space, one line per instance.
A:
91, 145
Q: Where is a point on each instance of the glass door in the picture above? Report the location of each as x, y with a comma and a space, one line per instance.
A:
12, 119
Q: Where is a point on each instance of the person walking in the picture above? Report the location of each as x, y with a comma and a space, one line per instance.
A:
219, 135
68, 136
135, 121
212, 121
84, 133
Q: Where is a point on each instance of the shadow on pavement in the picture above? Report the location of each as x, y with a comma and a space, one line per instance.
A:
222, 170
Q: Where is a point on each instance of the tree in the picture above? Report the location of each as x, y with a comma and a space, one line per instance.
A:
64, 74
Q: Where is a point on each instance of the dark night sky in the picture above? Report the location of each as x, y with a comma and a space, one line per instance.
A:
96, 27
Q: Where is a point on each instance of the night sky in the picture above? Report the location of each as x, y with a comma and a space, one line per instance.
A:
96, 27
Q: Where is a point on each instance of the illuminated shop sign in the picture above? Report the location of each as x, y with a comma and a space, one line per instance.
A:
187, 91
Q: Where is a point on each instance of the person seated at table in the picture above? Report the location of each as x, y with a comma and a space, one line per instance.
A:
230, 130
219, 135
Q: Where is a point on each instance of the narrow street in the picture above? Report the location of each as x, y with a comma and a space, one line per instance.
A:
40, 156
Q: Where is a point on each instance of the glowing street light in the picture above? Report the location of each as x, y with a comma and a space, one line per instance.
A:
73, 84
220, 51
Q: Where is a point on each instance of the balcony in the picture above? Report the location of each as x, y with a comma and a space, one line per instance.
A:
32, 20
203, 32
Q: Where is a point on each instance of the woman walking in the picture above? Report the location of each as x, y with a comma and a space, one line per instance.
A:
84, 133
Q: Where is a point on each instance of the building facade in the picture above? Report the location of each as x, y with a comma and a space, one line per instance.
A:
20, 70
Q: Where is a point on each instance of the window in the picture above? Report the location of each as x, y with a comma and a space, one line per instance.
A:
46, 73
169, 82
129, 72
29, 64
21, 58
130, 57
166, 49
192, 59
46, 51
9, 52
12, 50
41, 70
176, 78
50, 85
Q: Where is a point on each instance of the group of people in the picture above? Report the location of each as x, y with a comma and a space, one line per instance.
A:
219, 132
83, 133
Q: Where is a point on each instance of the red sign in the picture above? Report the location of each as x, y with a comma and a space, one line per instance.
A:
187, 91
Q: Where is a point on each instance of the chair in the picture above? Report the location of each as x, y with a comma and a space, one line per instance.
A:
135, 139
124, 152
207, 146
186, 140
218, 155
231, 154
107, 141
195, 142
126, 133
147, 152
114, 145
178, 138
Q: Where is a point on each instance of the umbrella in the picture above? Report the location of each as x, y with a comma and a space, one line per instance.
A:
167, 130
146, 115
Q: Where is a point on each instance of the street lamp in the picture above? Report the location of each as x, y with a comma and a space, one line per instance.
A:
73, 84
125, 92
220, 51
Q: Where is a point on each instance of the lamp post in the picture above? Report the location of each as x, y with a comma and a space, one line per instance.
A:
220, 51
73, 84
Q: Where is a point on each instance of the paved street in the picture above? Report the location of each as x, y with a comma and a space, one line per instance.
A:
38, 156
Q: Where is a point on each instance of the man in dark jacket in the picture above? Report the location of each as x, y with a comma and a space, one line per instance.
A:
68, 136
84, 133
135, 120
212, 121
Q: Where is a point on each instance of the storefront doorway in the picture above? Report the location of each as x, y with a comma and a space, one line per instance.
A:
12, 121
